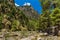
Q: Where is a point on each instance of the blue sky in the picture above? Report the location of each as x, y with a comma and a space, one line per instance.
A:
34, 3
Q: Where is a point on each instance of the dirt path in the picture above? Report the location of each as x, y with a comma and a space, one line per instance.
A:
28, 38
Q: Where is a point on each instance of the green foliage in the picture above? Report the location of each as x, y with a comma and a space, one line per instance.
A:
1, 21
44, 21
51, 15
15, 25
15, 18
32, 25
55, 16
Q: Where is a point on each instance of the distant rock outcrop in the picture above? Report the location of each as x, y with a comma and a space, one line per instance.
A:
29, 11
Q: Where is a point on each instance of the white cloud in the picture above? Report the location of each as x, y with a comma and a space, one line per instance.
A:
16, 4
28, 4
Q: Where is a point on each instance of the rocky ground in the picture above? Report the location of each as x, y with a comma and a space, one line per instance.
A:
27, 36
